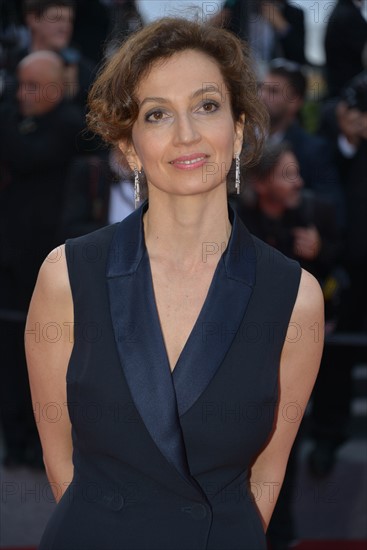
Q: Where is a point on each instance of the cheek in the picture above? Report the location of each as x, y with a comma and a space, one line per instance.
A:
147, 151
278, 189
288, 191
150, 144
49, 28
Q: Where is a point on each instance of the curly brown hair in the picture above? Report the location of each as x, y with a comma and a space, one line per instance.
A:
113, 107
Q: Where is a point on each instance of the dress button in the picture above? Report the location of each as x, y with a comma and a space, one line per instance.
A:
114, 502
198, 511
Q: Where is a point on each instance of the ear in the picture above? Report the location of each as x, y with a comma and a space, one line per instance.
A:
128, 150
239, 126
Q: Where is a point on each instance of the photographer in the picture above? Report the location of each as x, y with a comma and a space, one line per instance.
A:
344, 123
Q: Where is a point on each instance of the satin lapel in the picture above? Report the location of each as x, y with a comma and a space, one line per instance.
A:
159, 396
219, 319
139, 339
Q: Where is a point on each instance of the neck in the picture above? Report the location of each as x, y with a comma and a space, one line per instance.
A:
187, 232
38, 44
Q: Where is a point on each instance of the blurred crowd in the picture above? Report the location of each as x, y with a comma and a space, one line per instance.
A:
306, 197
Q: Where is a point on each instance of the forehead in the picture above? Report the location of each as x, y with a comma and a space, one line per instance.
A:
35, 72
27, 72
55, 14
181, 74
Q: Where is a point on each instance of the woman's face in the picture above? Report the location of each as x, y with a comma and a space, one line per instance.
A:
184, 137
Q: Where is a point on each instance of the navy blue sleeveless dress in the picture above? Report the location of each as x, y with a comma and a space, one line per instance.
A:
161, 459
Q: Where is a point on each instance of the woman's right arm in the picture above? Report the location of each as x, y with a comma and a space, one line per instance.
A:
48, 344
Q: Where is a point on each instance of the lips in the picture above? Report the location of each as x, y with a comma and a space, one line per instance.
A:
190, 161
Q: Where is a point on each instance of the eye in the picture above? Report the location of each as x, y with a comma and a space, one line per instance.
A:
155, 116
209, 106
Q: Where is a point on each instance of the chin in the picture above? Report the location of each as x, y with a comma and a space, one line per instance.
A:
59, 46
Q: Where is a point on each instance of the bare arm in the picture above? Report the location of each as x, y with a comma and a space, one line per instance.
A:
299, 365
48, 343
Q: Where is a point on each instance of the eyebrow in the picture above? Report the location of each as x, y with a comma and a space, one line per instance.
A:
210, 88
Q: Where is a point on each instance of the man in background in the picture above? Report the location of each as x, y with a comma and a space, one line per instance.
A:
39, 137
50, 24
283, 91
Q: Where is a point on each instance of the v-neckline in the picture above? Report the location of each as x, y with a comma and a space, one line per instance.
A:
139, 336
160, 395
156, 311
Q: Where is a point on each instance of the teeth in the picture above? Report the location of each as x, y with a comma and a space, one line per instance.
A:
189, 161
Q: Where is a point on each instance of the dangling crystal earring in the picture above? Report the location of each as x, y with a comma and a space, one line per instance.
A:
238, 175
136, 187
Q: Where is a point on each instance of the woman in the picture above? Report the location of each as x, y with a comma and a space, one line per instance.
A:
184, 394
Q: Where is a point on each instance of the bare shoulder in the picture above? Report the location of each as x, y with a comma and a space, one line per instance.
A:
53, 274
52, 289
305, 337
52, 301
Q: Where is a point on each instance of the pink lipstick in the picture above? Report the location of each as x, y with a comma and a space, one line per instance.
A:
190, 162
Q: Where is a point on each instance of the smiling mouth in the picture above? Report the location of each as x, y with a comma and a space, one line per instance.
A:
189, 161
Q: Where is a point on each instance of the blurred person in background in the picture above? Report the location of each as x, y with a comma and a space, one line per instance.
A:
280, 211
39, 137
50, 25
99, 192
124, 18
283, 91
13, 36
345, 45
344, 123
91, 28
273, 28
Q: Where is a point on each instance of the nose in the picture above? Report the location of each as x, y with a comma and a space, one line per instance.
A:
185, 130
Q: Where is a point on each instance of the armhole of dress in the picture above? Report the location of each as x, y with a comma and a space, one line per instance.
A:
68, 245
